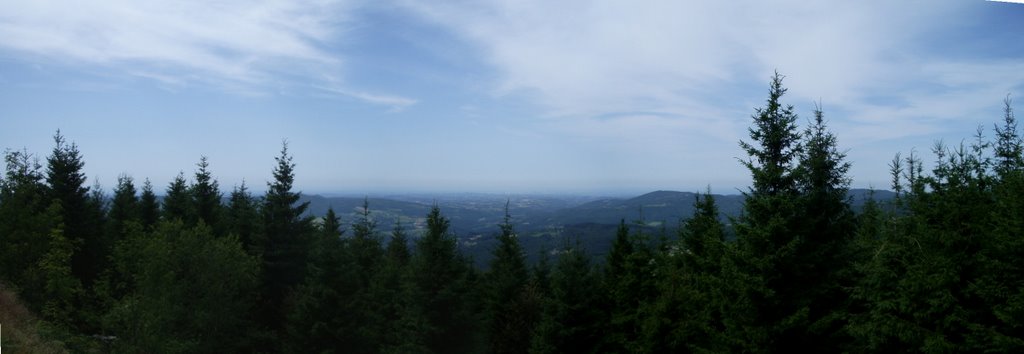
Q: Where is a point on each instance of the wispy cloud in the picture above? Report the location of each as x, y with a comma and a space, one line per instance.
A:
688, 60
241, 45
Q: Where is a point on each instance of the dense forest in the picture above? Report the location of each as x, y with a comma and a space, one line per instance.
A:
937, 269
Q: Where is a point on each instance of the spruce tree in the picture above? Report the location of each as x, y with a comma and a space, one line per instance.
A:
177, 201
510, 321
242, 219
149, 207
441, 290
767, 230
205, 195
822, 261
67, 186
574, 318
124, 208
287, 234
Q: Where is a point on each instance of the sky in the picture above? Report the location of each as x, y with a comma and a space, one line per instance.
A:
577, 97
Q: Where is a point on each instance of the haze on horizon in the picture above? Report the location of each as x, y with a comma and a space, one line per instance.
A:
492, 96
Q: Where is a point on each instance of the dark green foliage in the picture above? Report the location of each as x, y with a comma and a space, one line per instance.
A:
767, 237
285, 243
574, 319
149, 207
1009, 149
242, 218
192, 292
940, 268
510, 312
323, 315
177, 201
629, 281
823, 262
124, 208
685, 315
205, 195
25, 224
440, 280
66, 180
365, 245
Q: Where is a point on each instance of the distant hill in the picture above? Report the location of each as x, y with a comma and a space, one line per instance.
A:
543, 222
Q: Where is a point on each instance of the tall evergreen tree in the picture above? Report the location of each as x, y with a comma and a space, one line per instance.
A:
149, 207
27, 221
573, 318
365, 245
287, 234
510, 320
242, 218
67, 186
767, 229
124, 208
1009, 148
205, 195
686, 314
823, 262
326, 314
177, 201
441, 294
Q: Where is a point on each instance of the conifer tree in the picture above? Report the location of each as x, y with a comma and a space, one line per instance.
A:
1009, 149
325, 313
365, 245
24, 222
124, 207
822, 261
149, 207
205, 195
441, 290
767, 235
67, 186
177, 201
242, 219
287, 234
192, 292
573, 318
685, 316
510, 321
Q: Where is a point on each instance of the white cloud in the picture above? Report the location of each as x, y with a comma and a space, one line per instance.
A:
241, 45
691, 60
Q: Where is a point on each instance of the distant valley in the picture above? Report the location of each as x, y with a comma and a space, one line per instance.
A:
543, 222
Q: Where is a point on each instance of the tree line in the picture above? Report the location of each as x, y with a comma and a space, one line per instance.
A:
939, 269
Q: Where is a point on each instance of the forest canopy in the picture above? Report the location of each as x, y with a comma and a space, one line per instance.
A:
189, 267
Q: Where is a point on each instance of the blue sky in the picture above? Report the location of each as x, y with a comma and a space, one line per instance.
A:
492, 96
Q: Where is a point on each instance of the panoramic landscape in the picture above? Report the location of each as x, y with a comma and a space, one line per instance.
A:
511, 177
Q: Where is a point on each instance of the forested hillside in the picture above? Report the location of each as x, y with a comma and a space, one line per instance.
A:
938, 267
